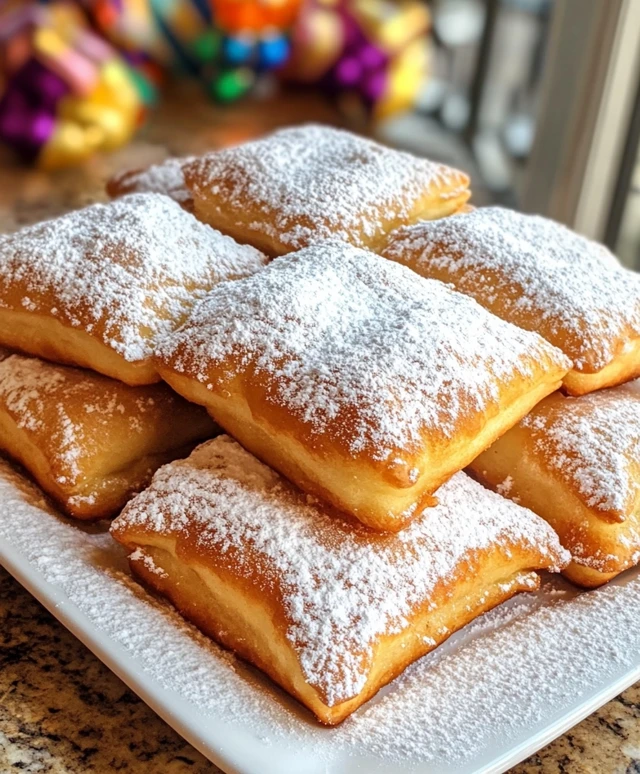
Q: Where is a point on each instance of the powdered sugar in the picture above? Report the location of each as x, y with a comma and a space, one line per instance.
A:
360, 348
478, 697
164, 178
342, 586
68, 412
125, 272
593, 443
315, 182
139, 555
535, 273
27, 387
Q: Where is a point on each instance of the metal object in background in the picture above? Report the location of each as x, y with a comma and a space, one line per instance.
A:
484, 86
578, 170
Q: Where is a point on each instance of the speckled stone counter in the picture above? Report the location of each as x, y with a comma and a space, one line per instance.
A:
61, 710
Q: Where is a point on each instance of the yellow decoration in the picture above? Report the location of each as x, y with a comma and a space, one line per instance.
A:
70, 144
392, 24
407, 72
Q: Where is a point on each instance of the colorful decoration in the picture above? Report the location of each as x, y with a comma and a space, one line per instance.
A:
67, 93
249, 38
372, 54
76, 75
227, 44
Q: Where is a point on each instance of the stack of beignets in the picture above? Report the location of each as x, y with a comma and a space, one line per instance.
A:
364, 385
369, 388
95, 288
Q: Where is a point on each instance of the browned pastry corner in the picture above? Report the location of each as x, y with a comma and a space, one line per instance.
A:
540, 276
164, 178
576, 462
304, 184
89, 441
96, 288
360, 381
330, 610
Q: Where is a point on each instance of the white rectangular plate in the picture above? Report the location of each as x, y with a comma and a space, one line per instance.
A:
494, 693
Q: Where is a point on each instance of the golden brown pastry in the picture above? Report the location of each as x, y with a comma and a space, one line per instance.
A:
89, 441
330, 610
97, 287
540, 276
305, 184
164, 178
360, 381
576, 462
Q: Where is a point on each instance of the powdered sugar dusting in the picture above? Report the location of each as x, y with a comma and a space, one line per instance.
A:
478, 696
27, 390
316, 182
593, 443
337, 328
164, 178
342, 586
65, 411
125, 272
571, 290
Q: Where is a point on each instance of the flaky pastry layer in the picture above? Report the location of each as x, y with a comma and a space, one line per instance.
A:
89, 441
330, 610
576, 462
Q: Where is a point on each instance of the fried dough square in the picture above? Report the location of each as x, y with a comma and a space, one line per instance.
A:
576, 462
360, 381
96, 287
308, 183
541, 276
329, 609
89, 441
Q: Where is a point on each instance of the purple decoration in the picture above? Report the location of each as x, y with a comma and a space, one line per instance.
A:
372, 57
23, 128
348, 72
28, 106
42, 127
43, 87
374, 86
353, 35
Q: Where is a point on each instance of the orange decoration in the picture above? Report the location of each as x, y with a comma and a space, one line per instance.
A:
254, 15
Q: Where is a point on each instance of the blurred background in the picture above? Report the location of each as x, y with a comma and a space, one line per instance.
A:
538, 99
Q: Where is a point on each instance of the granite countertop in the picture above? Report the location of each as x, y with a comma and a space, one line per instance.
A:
61, 710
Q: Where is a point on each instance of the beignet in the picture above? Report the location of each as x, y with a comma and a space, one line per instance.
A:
164, 178
330, 610
95, 288
541, 276
89, 441
576, 462
304, 184
357, 379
